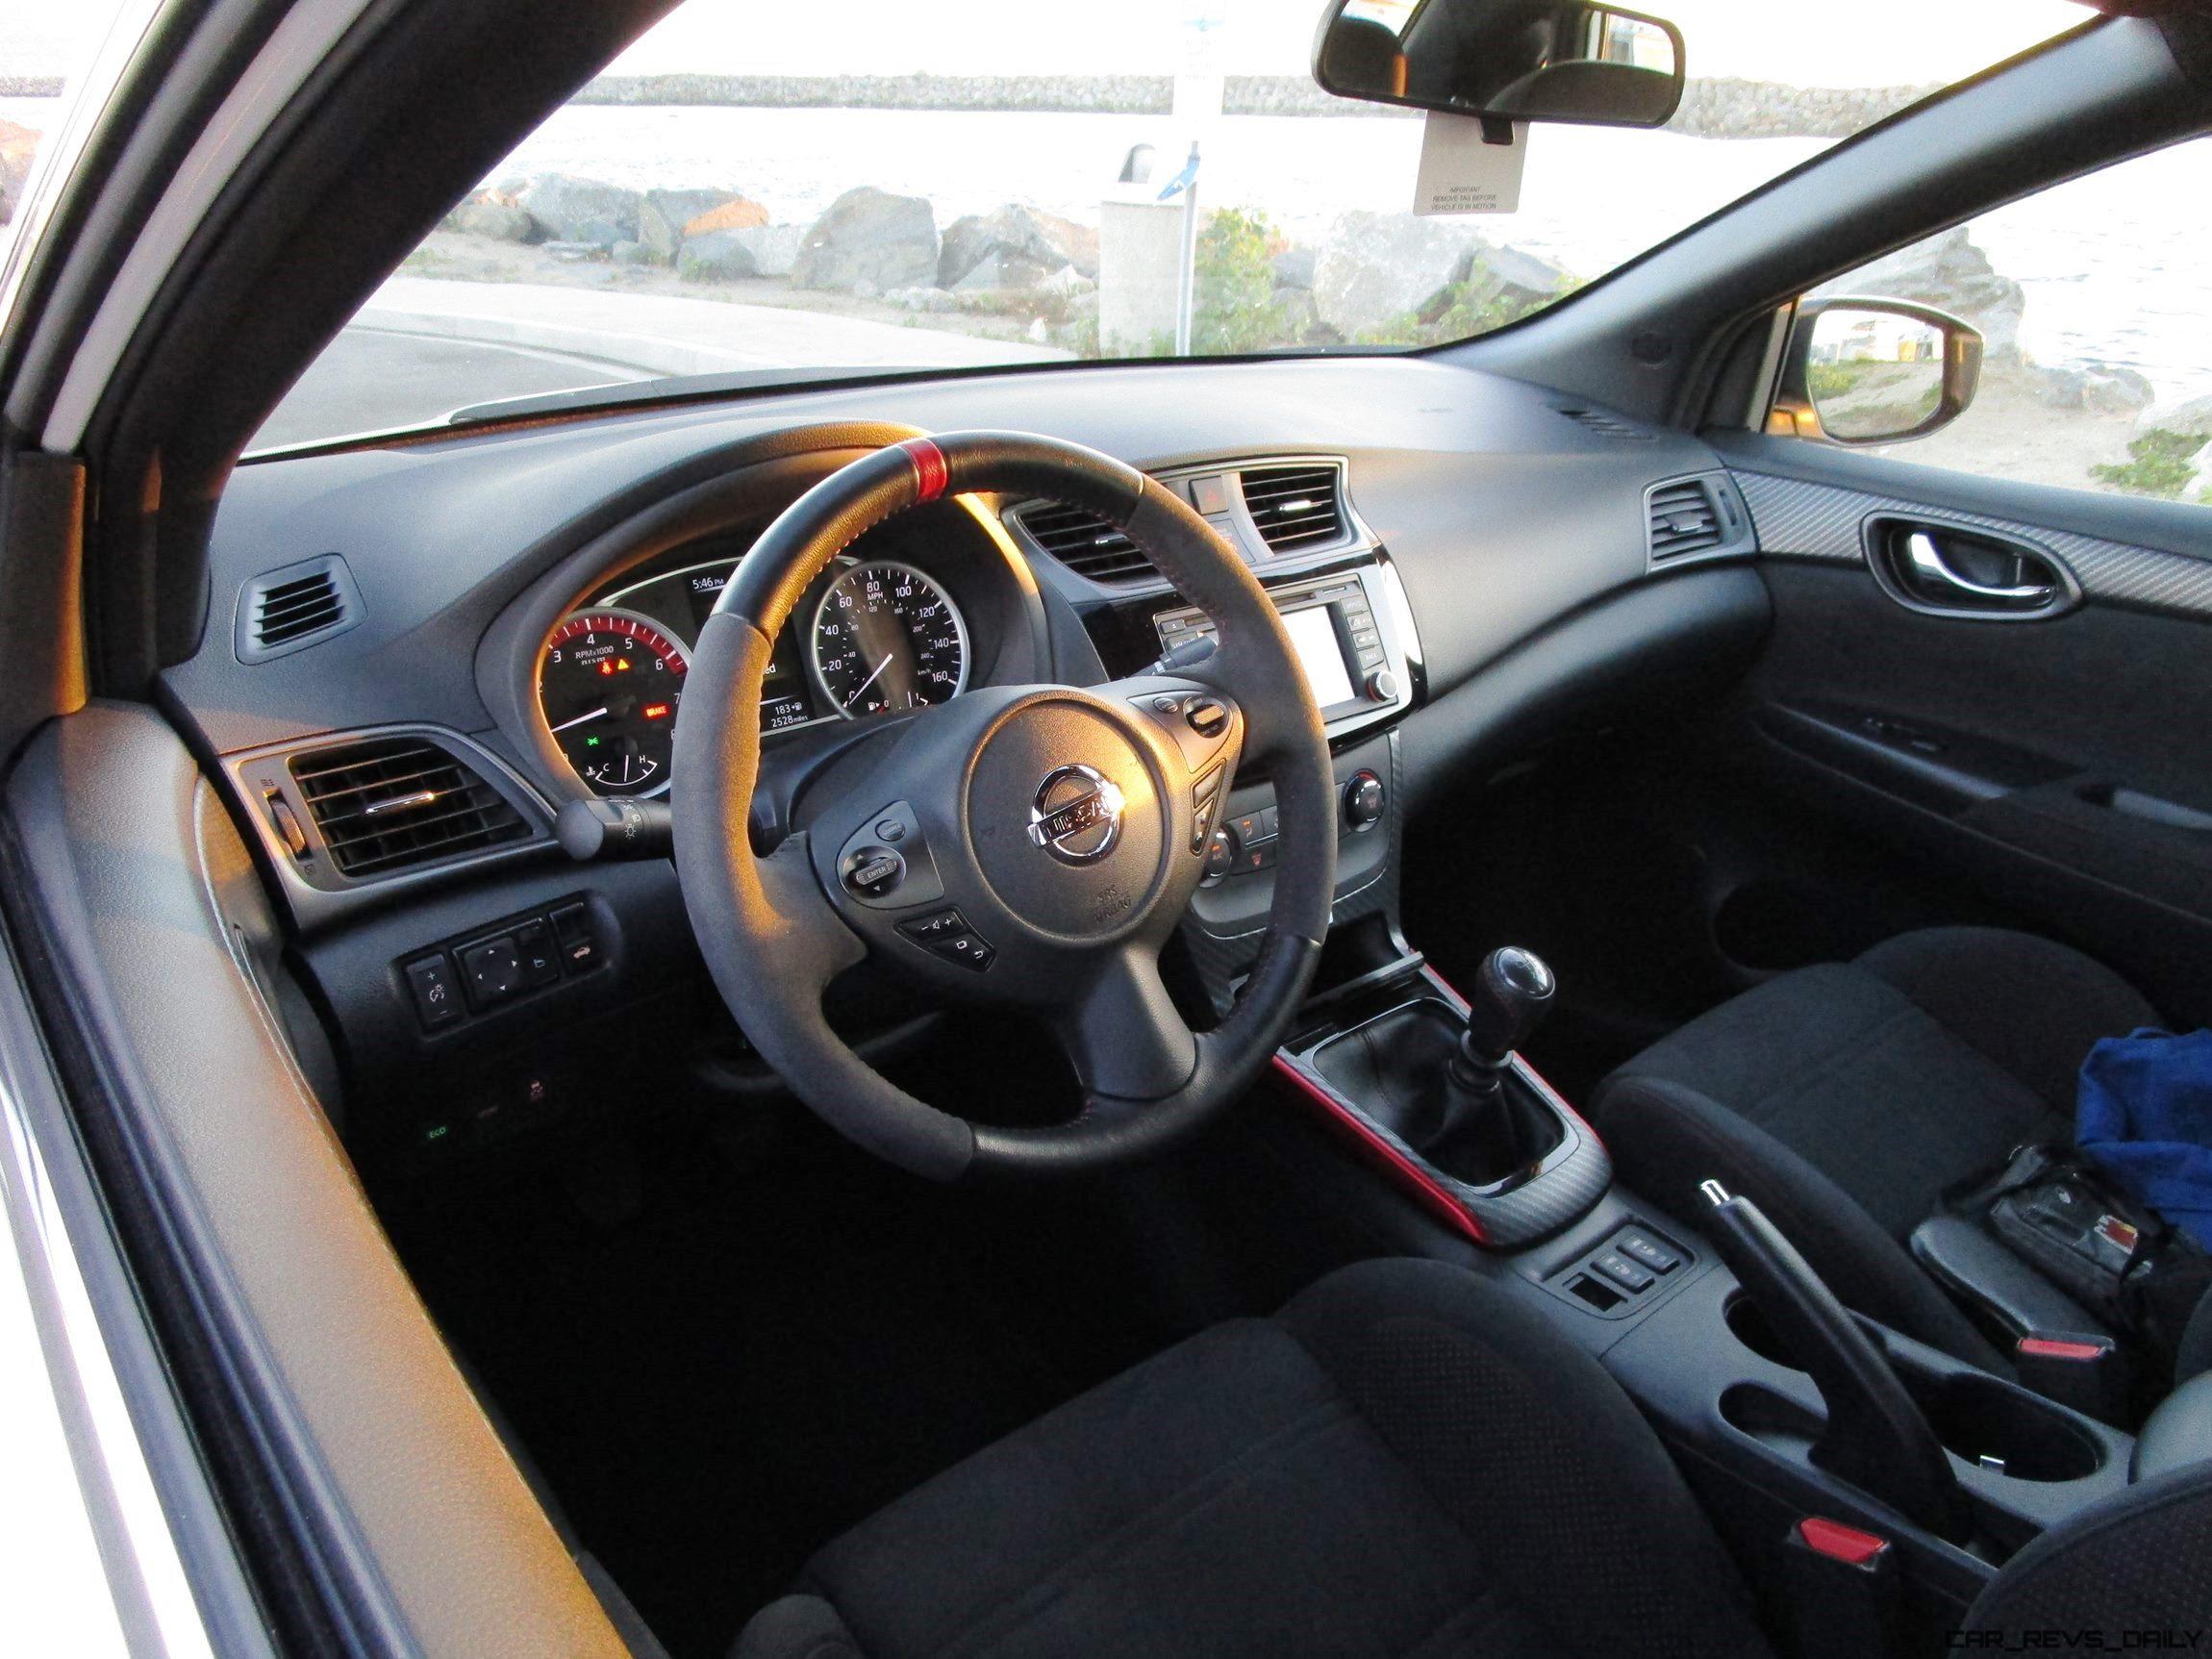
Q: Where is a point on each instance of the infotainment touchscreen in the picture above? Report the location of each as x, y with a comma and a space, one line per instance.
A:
1313, 634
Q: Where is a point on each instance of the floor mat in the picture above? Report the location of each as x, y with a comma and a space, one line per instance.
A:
757, 1361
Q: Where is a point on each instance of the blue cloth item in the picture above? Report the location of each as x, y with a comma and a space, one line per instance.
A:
2144, 1114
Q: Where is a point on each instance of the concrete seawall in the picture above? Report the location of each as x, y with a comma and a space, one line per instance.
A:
1711, 108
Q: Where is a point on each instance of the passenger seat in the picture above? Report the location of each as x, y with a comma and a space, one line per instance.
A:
1846, 1097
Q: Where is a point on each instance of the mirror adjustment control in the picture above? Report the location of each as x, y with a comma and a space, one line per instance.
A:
492, 971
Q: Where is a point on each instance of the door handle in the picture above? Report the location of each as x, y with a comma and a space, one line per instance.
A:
1931, 568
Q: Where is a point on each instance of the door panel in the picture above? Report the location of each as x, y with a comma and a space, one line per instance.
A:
2060, 765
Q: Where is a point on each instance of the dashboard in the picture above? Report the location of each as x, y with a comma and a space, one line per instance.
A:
1461, 561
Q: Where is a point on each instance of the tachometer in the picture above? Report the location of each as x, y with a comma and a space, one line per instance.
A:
609, 687
887, 636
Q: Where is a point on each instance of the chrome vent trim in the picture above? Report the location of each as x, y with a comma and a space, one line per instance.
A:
1298, 507
385, 806
296, 606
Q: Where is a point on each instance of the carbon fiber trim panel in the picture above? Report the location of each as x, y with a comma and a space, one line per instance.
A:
1800, 520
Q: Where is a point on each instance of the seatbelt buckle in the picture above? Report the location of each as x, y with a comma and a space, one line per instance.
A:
1843, 1589
2088, 1374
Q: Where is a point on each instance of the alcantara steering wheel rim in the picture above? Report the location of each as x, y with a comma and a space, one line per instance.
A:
1062, 829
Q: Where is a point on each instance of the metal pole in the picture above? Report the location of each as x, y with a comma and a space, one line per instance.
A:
1186, 290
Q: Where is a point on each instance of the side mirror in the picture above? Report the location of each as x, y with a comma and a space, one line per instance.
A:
1874, 372
1508, 60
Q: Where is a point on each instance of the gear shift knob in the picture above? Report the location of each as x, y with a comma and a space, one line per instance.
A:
1511, 994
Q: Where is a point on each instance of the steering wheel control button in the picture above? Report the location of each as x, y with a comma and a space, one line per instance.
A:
891, 830
936, 925
966, 948
436, 996
1365, 801
1206, 717
492, 971
875, 872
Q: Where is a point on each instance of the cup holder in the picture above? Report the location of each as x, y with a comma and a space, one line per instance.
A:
1976, 1417
1750, 1326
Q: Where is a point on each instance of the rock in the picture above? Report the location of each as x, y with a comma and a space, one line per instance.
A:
664, 218
1951, 274
922, 299
2191, 417
999, 269
738, 214
18, 145
484, 215
636, 254
575, 253
1521, 278
1293, 268
1066, 282
1375, 267
729, 256
2114, 389
869, 235
575, 209
1027, 244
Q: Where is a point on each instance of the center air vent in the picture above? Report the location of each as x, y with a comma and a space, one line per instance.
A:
1085, 542
298, 606
1690, 517
393, 804
1296, 508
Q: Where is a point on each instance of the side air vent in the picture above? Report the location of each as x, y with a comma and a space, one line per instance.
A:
1691, 517
1085, 542
298, 606
1296, 508
1607, 425
393, 804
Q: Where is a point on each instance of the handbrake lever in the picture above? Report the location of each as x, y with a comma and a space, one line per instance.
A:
1876, 1438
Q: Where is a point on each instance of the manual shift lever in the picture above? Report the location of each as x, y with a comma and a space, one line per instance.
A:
1513, 991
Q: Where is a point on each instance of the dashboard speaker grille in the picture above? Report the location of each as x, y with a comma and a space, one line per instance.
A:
286, 610
1296, 508
1085, 542
392, 804
1608, 425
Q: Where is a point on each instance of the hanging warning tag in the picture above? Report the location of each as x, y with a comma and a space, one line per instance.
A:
1462, 173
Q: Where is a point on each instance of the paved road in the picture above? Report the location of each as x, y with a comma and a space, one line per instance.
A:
374, 379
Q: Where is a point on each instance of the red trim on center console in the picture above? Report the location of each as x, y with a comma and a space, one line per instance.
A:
1404, 1173
2056, 1348
931, 474
1840, 1542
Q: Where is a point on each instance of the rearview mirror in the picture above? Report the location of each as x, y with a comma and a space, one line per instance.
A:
1508, 60
1874, 372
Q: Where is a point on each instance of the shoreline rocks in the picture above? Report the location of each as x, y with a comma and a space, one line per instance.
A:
574, 209
868, 242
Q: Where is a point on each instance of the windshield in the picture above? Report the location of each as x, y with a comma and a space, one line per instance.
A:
746, 192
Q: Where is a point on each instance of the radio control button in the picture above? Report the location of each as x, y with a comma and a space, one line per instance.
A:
1382, 685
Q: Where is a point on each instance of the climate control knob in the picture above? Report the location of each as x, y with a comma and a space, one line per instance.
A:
1365, 801
1220, 855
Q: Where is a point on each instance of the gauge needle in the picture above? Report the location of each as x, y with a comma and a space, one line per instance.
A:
580, 719
871, 680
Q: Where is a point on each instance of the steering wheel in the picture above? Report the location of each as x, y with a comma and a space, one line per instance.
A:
1024, 845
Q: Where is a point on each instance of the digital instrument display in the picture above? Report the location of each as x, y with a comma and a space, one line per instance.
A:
1312, 634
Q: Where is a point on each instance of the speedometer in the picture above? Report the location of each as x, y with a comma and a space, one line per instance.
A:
610, 685
887, 637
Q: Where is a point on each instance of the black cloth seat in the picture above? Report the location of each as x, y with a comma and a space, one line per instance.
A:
1844, 1098
1403, 1464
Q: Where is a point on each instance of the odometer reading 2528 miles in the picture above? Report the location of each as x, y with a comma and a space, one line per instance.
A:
609, 687
886, 637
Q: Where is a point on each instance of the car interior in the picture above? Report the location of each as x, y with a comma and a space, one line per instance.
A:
1315, 1003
